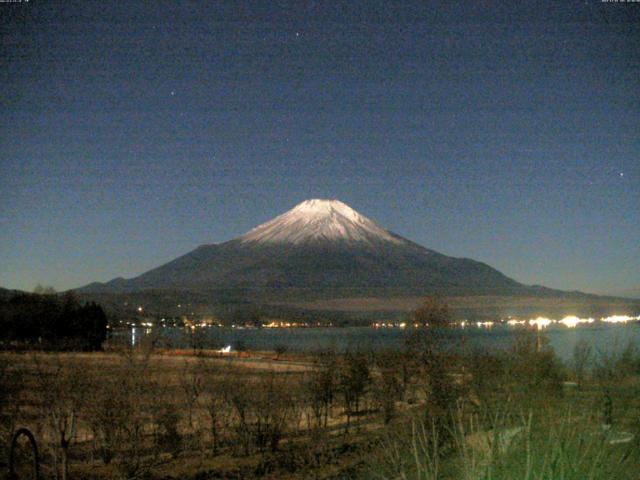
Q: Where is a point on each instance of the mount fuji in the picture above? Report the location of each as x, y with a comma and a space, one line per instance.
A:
320, 248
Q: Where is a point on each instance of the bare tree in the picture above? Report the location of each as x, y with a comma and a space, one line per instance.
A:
239, 399
216, 391
62, 384
582, 355
353, 381
423, 340
168, 438
11, 384
272, 409
262, 410
319, 387
108, 412
137, 389
434, 312
192, 383
387, 384
44, 290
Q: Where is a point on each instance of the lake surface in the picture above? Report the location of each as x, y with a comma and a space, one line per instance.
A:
601, 336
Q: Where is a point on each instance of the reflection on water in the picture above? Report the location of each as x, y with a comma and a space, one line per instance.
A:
604, 336
136, 334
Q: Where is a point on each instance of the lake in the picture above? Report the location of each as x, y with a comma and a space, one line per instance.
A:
603, 337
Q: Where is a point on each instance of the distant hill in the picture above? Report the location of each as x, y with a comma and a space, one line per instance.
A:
6, 294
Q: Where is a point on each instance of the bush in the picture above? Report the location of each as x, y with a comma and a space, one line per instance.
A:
582, 355
532, 367
169, 438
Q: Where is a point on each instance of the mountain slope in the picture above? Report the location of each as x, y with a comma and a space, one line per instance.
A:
320, 245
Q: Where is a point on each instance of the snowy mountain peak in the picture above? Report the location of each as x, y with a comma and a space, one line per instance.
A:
320, 207
320, 220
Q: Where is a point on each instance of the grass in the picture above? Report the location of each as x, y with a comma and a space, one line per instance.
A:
563, 447
587, 431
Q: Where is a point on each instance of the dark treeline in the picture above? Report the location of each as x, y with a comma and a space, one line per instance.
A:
49, 321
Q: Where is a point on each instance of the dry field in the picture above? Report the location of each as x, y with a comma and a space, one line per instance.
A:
414, 413
130, 413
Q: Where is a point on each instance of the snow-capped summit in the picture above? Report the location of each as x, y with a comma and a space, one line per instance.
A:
320, 220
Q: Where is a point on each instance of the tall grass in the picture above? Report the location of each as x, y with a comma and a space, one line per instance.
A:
564, 447
516, 422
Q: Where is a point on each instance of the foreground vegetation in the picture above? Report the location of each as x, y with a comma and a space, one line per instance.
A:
418, 412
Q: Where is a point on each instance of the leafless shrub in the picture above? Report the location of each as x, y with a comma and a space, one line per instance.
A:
387, 386
136, 387
353, 382
319, 386
63, 389
108, 412
280, 350
262, 408
611, 365
215, 400
272, 410
434, 312
192, 380
10, 388
533, 369
582, 355
168, 438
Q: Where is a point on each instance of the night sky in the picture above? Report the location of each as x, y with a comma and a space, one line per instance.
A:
508, 132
